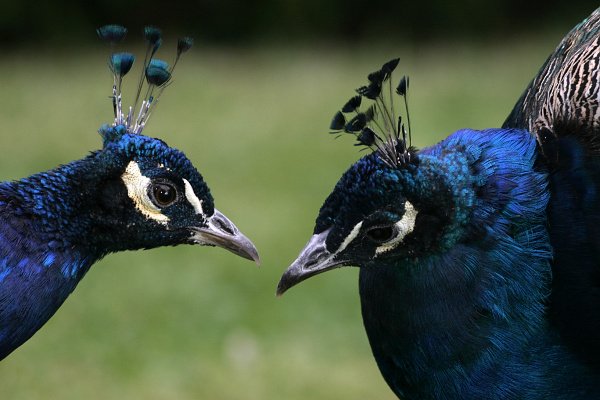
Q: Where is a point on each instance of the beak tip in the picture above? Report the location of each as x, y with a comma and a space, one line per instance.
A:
285, 283
254, 257
313, 259
250, 252
247, 254
221, 232
281, 289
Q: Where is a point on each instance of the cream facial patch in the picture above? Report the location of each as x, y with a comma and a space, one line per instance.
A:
351, 236
403, 227
192, 198
137, 190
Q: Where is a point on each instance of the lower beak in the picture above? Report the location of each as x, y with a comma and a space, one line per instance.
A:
313, 259
221, 232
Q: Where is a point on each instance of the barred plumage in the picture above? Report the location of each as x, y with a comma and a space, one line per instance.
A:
566, 90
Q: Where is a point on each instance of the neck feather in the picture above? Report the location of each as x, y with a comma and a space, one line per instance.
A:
59, 204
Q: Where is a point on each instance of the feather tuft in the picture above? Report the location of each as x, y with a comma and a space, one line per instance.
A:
184, 44
153, 35
377, 126
112, 33
371, 113
352, 104
157, 72
371, 91
121, 63
389, 67
376, 77
356, 124
338, 122
366, 138
402, 86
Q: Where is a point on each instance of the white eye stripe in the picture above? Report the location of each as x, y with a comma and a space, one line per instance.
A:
192, 198
137, 190
351, 236
403, 227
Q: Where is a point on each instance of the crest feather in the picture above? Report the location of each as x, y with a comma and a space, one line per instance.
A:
377, 127
156, 75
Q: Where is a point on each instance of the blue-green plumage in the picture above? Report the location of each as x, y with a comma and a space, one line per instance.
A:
134, 193
54, 225
478, 256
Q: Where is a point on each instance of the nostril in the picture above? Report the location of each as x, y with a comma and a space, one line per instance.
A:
310, 264
314, 259
221, 225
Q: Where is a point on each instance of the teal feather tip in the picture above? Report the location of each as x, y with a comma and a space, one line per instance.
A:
112, 33
184, 44
153, 35
157, 72
121, 63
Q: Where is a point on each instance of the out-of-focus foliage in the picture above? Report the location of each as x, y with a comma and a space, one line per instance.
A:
241, 21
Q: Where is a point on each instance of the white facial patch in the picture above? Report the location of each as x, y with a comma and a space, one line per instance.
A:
351, 236
137, 190
192, 198
403, 227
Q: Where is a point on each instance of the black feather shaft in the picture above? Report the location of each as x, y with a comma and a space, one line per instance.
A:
407, 118
141, 82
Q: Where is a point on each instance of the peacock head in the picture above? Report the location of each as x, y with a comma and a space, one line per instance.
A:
151, 194
395, 203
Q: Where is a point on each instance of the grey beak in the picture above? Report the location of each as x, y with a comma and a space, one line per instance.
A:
221, 232
313, 259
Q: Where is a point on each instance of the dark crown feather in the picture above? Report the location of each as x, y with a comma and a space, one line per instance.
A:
156, 74
377, 127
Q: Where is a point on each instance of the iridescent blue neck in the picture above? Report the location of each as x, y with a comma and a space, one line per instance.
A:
448, 319
36, 277
63, 204
44, 223
468, 321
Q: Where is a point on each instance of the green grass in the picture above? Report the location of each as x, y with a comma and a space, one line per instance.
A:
191, 322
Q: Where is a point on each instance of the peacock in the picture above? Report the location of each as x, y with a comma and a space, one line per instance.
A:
134, 193
479, 256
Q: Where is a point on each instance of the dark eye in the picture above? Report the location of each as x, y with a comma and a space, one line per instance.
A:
163, 194
381, 234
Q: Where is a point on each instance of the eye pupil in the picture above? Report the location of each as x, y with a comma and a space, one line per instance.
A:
382, 234
164, 194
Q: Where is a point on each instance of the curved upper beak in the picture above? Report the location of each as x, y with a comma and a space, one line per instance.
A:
221, 232
313, 259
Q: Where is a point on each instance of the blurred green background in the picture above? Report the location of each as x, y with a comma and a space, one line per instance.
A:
200, 323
